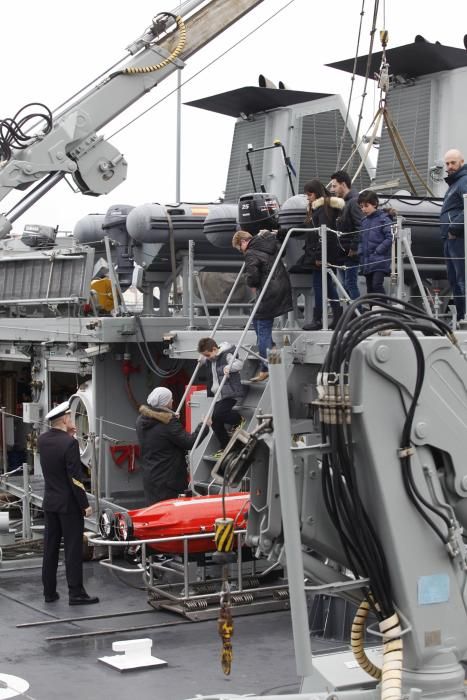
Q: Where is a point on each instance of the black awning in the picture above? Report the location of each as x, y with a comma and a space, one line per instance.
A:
412, 60
251, 100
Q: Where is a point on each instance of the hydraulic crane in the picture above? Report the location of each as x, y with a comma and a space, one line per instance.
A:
70, 143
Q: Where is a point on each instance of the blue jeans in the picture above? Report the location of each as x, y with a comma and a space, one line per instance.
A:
263, 329
349, 279
454, 253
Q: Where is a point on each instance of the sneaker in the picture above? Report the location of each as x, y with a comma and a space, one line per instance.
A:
260, 377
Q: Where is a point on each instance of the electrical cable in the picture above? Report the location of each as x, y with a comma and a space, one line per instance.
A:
12, 134
150, 363
358, 536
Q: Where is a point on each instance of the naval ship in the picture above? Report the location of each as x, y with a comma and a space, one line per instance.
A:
104, 315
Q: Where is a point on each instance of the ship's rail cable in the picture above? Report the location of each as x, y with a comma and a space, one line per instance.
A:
205, 67
352, 85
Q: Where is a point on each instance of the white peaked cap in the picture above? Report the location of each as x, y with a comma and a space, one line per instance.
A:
161, 396
58, 411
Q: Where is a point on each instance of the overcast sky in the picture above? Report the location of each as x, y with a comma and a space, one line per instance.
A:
50, 49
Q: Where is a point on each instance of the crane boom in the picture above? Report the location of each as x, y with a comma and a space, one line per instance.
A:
73, 146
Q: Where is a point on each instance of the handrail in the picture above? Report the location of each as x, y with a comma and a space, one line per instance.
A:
238, 346
213, 333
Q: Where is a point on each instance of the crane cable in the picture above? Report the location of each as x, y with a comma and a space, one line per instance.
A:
352, 81
367, 74
181, 27
398, 144
205, 67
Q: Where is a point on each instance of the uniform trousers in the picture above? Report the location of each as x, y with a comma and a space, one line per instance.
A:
70, 526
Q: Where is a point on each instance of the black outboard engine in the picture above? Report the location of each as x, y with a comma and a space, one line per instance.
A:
114, 226
258, 211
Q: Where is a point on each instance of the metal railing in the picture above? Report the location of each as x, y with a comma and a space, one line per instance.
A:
238, 346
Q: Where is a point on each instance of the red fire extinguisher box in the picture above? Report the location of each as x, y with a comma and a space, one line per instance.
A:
188, 411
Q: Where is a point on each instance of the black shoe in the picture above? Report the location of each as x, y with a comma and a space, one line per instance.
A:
51, 598
313, 326
132, 558
82, 599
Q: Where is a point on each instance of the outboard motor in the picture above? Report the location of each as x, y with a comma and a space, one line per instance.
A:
37, 236
114, 226
257, 211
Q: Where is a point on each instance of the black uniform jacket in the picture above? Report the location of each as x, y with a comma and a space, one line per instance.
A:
259, 259
164, 444
63, 472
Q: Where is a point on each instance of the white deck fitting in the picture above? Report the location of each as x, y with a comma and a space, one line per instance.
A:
14, 686
137, 655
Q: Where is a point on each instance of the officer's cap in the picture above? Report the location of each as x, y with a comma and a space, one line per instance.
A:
58, 411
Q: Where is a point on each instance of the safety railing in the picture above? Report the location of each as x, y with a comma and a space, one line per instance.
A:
213, 333
238, 346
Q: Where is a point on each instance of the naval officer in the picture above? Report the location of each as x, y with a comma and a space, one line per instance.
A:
65, 504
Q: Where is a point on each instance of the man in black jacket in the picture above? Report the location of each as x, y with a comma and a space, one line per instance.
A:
348, 223
260, 253
164, 444
65, 504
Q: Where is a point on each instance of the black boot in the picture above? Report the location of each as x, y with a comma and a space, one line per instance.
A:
337, 312
317, 322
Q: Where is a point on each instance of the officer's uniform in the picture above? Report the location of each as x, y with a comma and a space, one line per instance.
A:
64, 504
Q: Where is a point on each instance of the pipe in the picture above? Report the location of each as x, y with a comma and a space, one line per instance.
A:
111, 273
323, 232
4, 446
290, 514
27, 532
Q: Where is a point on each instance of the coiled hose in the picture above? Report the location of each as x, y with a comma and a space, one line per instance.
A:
391, 673
175, 53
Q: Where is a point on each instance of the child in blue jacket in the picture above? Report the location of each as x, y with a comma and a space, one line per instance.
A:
375, 242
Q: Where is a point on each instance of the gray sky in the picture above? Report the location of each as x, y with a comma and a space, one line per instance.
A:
51, 49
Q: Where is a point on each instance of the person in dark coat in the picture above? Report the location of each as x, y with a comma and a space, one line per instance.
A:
164, 444
218, 358
65, 504
348, 223
452, 226
375, 242
260, 253
323, 209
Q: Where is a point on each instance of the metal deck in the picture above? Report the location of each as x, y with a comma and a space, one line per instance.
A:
61, 660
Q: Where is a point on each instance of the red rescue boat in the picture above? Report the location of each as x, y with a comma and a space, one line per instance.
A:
175, 518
